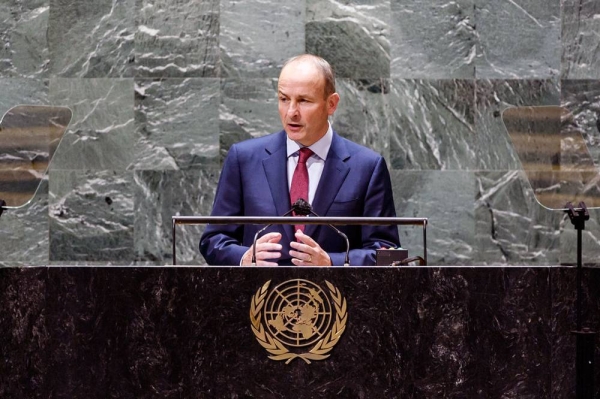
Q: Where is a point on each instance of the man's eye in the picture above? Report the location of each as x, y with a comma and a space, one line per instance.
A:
282, 99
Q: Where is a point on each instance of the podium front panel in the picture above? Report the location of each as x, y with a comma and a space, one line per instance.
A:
188, 332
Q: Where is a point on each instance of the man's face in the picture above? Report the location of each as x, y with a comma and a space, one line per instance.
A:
303, 108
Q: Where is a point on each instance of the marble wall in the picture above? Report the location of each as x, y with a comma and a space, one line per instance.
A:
161, 88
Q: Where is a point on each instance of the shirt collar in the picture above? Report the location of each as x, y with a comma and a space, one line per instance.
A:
320, 148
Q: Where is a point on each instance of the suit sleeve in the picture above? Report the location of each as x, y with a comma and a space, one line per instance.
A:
222, 244
378, 202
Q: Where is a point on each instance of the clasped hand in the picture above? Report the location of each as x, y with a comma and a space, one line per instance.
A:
305, 252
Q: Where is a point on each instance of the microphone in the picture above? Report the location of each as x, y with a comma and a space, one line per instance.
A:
296, 207
301, 207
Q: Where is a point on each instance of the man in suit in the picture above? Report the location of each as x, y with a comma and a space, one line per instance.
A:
264, 176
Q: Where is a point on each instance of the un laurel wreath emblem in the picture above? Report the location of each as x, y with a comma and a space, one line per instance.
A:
297, 314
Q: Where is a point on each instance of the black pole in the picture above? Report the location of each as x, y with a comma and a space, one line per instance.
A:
2, 205
579, 277
585, 338
578, 217
174, 230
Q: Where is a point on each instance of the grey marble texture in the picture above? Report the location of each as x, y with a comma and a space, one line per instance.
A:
257, 37
24, 232
353, 35
432, 124
433, 39
446, 199
510, 226
363, 114
248, 109
580, 39
518, 39
23, 45
101, 133
161, 89
177, 39
159, 195
176, 123
16, 91
91, 38
492, 98
91, 216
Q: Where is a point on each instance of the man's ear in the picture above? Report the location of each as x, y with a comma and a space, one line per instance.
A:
332, 103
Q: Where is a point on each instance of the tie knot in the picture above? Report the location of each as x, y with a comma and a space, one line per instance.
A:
305, 153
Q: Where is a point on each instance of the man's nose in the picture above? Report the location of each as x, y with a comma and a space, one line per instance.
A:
293, 109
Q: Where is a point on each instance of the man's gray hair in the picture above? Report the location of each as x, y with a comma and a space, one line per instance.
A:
324, 67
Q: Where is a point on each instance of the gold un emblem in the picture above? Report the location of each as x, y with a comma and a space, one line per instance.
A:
297, 314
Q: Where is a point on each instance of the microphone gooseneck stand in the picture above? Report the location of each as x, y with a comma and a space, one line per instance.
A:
253, 261
302, 208
585, 338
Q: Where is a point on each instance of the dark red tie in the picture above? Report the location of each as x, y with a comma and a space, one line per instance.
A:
299, 188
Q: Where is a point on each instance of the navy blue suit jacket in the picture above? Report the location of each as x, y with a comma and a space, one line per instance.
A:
355, 182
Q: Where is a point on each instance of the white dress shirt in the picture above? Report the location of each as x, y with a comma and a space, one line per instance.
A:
314, 164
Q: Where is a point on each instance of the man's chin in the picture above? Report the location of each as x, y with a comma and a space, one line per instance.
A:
295, 135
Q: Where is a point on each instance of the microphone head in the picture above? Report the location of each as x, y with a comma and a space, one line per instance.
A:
301, 207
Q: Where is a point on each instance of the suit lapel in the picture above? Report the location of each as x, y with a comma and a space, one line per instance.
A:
275, 167
334, 175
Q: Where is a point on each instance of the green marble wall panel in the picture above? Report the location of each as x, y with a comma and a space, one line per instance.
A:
446, 199
24, 232
248, 109
518, 39
256, 37
433, 39
101, 133
159, 195
432, 124
91, 216
17, 91
161, 89
353, 35
363, 114
511, 227
580, 39
91, 38
23, 45
177, 38
176, 123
